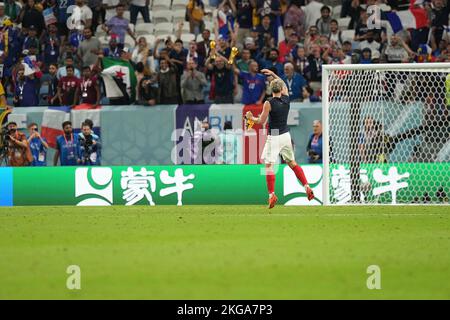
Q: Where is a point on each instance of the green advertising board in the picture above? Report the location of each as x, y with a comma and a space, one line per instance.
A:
216, 184
155, 185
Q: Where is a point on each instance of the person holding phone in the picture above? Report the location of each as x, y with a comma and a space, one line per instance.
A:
38, 146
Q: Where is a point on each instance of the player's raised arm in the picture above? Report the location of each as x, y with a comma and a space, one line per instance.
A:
269, 73
262, 118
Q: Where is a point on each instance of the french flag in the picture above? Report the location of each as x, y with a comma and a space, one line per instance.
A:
415, 17
52, 123
279, 31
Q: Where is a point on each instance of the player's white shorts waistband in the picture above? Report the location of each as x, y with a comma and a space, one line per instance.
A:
276, 146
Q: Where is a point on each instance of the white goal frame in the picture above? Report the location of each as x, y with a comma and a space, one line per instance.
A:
326, 70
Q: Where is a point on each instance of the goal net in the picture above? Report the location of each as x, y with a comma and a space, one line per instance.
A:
386, 133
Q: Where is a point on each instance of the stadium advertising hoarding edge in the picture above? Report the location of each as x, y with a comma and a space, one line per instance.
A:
215, 184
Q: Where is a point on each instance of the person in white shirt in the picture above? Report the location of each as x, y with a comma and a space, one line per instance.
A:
83, 13
312, 13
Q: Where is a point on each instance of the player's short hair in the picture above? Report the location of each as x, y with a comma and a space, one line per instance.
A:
66, 123
277, 85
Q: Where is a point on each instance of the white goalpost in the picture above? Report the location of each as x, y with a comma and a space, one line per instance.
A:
386, 134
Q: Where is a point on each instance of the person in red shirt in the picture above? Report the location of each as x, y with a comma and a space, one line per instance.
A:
89, 88
286, 47
68, 88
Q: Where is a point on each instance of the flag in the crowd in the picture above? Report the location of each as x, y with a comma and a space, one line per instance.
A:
413, 18
30, 66
52, 123
86, 111
279, 31
119, 78
49, 16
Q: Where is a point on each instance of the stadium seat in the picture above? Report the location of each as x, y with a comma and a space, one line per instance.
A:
186, 38
126, 15
344, 23
348, 35
179, 16
160, 5
162, 16
104, 41
337, 12
209, 25
164, 28
165, 36
99, 31
129, 42
145, 28
179, 4
131, 26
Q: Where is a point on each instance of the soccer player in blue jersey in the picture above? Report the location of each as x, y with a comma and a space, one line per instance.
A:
67, 147
276, 110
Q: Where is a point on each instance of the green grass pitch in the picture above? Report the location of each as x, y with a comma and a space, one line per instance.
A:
225, 252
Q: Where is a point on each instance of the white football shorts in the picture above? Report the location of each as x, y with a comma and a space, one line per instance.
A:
276, 146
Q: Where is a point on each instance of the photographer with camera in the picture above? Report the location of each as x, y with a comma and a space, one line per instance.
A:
314, 148
38, 146
16, 147
90, 145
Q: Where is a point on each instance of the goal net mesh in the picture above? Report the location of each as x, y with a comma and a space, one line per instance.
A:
388, 136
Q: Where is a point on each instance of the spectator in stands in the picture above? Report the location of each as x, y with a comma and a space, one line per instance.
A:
89, 48
361, 28
203, 46
193, 83
195, 14
222, 86
312, 13
272, 62
98, 13
62, 71
85, 14
52, 81
309, 96
19, 154
244, 13
119, 25
31, 39
89, 87
31, 16
38, 146
366, 56
315, 61
114, 48
243, 63
369, 42
314, 147
265, 30
193, 54
12, 9
272, 8
143, 53
51, 45
295, 18
286, 48
167, 80
300, 61
294, 81
148, 88
397, 51
68, 88
253, 84
335, 34
139, 6
26, 92
323, 23
67, 147
352, 9
440, 18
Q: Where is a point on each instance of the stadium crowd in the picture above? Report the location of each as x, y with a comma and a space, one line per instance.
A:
181, 51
